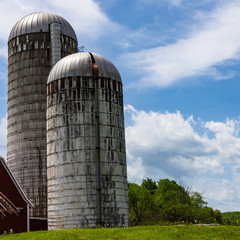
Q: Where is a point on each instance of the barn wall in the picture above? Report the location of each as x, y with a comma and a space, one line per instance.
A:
38, 224
8, 188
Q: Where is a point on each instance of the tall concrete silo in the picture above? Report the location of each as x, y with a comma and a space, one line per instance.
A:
86, 158
35, 44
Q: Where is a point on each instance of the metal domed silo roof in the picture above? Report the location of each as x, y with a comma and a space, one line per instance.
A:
80, 64
39, 22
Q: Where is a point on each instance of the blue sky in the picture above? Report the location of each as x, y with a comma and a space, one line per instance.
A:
180, 65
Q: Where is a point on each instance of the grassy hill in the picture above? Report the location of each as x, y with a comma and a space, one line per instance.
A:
183, 232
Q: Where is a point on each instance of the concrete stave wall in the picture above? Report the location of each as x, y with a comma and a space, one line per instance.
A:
71, 149
28, 69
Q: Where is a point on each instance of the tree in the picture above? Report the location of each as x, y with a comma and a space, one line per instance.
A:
231, 218
218, 216
150, 185
197, 200
140, 201
167, 201
169, 193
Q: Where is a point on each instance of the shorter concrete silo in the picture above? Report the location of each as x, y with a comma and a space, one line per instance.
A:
86, 157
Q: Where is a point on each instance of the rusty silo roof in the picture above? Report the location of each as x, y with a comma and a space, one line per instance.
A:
39, 22
80, 64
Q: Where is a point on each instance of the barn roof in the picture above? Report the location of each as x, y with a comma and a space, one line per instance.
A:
5, 203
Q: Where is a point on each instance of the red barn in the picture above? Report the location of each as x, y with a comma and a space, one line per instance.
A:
14, 205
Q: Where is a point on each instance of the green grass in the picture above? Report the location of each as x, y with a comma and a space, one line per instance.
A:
183, 232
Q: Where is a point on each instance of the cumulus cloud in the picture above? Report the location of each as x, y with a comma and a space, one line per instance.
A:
215, 40
222, 194
166, 144
169, 142
86, 16
3, 136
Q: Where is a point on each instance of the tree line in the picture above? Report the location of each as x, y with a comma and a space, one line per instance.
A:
166, 201
231, 218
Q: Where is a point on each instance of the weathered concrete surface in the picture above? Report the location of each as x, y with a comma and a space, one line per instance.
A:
28, 68
71, 153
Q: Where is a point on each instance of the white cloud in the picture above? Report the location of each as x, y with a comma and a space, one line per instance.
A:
163, 145
157, 2
3, 137
86, 17
176, 2
212, 42
223, 194
135, 168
